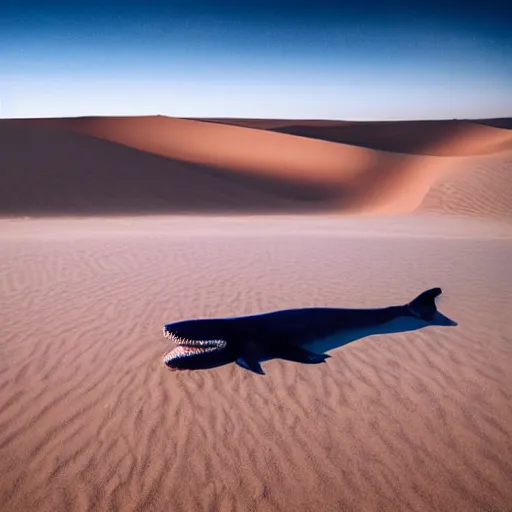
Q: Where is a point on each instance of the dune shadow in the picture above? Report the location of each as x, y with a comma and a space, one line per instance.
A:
52, 172
504, 123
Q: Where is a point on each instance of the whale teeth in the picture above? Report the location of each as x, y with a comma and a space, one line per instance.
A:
185, 347
178, 340
183, 351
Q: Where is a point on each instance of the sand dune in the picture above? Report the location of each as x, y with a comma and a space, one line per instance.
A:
479, 187
159, 164
91, 420
503, 122
52, 172
436, 138
262, 124
61, 172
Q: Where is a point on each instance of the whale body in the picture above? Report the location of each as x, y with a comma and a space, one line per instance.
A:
302, 335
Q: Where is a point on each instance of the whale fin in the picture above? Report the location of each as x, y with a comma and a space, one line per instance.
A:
424, 305
300, 355
251, 364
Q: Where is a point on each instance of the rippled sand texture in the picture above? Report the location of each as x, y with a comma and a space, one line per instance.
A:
90, 419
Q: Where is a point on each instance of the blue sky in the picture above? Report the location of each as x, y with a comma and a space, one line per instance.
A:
255, 59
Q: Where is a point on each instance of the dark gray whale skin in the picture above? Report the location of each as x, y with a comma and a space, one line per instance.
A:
291, 334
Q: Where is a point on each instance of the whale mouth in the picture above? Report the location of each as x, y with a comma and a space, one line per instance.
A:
187, 348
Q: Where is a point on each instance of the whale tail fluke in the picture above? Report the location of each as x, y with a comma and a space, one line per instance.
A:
424, 305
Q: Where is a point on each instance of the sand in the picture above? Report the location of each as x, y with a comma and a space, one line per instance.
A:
436, 138
95, 256
148, 165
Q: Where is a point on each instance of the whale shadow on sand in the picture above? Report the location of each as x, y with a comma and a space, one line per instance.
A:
402, 324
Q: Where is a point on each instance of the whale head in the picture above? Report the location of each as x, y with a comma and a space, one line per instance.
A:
194, 347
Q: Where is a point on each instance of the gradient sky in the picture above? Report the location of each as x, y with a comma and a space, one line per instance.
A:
276, 59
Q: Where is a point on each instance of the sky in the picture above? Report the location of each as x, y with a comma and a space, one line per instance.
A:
268, 59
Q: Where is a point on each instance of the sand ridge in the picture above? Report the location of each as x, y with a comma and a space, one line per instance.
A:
435, 138
159, 164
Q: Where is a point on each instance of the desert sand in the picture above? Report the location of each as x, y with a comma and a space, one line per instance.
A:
111, 227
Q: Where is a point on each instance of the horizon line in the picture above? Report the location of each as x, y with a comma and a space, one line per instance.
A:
307, 119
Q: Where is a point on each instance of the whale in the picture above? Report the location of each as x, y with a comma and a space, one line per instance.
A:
302, 335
